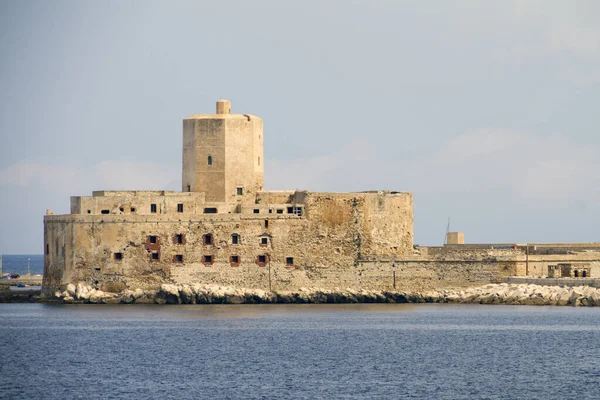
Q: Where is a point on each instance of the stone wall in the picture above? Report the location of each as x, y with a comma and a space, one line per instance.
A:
325, 244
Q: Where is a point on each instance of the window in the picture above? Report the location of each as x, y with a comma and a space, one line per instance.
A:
179, 238
155, 256
118, 256
264, 241
290, 210
262, 259
105, 211
289, 261
279, 211
180, 207
239, 191
270, 211
207, 239
266, 223
235, 239
121, 209
209, 160
207, 259
89, 211
47, 249
256, 211
132, 209
189, 188
153, 239
152, 208
295, 210
234, 260
178, 258
210, 210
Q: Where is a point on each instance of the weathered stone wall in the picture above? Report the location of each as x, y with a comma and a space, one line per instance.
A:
322, 245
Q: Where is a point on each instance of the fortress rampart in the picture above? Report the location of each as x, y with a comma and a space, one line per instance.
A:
224, 228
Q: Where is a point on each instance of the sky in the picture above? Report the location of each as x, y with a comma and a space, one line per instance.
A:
487, 111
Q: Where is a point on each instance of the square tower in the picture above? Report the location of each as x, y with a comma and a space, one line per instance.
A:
223, 155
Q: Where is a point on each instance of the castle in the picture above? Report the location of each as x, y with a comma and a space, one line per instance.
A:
224, 228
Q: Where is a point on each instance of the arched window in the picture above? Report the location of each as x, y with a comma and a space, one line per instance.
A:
209, 160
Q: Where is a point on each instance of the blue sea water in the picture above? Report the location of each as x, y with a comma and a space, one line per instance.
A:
17, 263
355, 351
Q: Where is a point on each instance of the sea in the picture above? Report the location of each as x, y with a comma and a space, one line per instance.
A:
17, 263
321, 351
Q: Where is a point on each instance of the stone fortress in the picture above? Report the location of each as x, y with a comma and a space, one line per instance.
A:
223, 228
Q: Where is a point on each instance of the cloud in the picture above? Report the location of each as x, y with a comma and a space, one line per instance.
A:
533, 170
106, 175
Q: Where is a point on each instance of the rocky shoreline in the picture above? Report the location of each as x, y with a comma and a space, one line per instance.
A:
507, 294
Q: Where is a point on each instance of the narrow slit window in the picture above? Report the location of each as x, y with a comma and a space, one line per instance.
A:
209, 160
258, 160
152, 208
47, 249
180, 207
179, 238
207, 239
266, 223
239, 191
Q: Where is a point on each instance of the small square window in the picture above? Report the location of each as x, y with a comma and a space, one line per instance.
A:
89, 211
289, 261
264, 240
256, 211
178, 258
239, 191
180, 207
132, 209
121, 209
290, 210
207, 259
155, 256
262, 259
153, 239
118, 256
279, 211
153, 208
105, 211
235, 259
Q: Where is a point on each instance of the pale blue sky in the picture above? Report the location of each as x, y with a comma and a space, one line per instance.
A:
485, 110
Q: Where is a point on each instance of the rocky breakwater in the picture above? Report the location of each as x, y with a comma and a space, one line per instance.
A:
213, 294
516, 294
